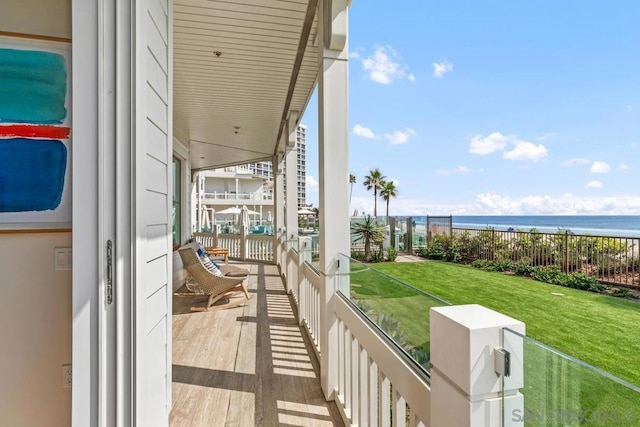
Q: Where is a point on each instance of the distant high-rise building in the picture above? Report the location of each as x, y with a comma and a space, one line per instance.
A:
266, 168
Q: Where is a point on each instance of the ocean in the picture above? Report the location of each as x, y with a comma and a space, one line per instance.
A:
610, 225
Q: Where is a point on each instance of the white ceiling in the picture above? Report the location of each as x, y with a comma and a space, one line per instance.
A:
247, 86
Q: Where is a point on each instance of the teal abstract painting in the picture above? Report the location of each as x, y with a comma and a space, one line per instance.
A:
33, 87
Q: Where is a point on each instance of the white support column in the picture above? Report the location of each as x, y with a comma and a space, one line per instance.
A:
291, 205
333, 148
278, 210
466, 391
199, 180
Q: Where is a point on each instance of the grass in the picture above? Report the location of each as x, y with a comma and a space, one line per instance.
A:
601, 330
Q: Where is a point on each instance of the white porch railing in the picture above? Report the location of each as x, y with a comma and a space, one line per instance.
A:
309, 304
260, 247
377, 387
243, 246
377, 383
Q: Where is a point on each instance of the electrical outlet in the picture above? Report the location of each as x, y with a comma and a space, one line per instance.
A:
67, 376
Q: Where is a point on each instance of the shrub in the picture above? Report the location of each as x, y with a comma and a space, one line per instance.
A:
502, 266
377, 256
584, 282
620, 292
392, 254
551, 275
482, 264
357, 255
523, 268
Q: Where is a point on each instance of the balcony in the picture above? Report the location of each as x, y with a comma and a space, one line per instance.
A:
228, 197
272, 362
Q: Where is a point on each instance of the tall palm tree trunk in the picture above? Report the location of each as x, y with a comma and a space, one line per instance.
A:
375, 202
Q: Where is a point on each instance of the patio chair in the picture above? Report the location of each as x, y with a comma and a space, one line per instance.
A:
207, 283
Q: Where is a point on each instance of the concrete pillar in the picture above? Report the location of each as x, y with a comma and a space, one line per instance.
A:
333, 150
466, 390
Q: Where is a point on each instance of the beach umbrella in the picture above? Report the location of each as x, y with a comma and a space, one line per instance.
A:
227, 211
205, 221
305, 211
243, 219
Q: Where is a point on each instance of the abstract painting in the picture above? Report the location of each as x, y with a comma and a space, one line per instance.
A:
34, 134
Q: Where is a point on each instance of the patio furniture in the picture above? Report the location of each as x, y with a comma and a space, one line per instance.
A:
207, 283
214, 251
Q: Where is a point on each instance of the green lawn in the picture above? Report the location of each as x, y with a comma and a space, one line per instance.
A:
603, 331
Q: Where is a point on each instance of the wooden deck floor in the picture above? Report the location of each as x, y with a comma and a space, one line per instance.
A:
246, 366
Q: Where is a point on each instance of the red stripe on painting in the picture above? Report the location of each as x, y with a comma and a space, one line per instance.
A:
31, 131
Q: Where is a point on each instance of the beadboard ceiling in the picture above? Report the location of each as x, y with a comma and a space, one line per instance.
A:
234, 63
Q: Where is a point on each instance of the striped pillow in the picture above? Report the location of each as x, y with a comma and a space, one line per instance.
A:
210, 265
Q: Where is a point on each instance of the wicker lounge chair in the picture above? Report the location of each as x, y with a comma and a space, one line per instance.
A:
207, 283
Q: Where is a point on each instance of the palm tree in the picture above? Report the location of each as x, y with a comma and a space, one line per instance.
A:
375, 181
352, 180
369, 231
388, 191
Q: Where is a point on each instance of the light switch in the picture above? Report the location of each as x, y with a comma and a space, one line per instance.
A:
62, 258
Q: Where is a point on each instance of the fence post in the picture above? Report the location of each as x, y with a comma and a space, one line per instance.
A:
392, 232
566, 253
410, 235
450, 226
493, 244
466, 390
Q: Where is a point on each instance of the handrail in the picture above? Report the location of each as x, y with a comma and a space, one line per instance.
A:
380, 360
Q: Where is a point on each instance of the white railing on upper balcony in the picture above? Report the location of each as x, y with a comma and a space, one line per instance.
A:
229, 196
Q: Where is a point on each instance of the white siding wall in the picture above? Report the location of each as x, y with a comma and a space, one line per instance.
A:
152, 214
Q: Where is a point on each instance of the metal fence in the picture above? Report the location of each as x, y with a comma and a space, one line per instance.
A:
611, 259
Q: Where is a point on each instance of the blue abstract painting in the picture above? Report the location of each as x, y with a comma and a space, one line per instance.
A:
31, 174
34, 132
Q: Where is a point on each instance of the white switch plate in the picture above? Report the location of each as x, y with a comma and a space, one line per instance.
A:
62, 258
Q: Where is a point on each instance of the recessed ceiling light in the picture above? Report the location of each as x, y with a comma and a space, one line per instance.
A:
202, 158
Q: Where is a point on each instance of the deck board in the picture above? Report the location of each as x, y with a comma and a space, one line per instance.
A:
246, 366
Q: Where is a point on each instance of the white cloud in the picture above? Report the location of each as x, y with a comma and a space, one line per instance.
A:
629, 107
383, 66
411, 78
400, 136
441, 68
311, 181
454, 171
634, 144
496, 204
520, 151
600, 167
364, 132
623, 167
527, 152
575, 162
482, 145
593, 185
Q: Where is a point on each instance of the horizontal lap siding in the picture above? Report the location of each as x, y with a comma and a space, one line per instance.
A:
154, 232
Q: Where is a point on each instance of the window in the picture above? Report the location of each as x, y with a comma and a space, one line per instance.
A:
177, 206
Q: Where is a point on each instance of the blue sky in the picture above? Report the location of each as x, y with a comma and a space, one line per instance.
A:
494, 107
